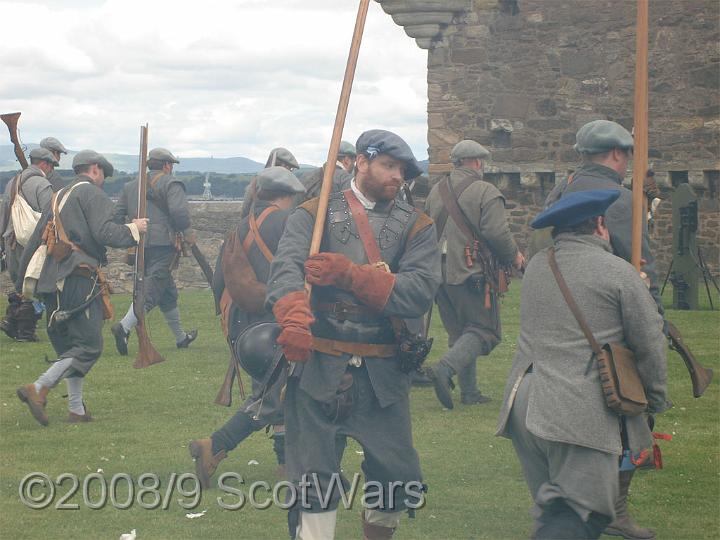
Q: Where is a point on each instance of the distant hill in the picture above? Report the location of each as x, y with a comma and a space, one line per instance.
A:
128, 163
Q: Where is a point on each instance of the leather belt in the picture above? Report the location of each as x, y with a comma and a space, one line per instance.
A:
338, 348
344, 308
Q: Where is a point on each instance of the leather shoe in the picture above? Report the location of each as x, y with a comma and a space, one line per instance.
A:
121, 338
442, 379
205, 462
35, 402
474, 399
74, 418
189, 338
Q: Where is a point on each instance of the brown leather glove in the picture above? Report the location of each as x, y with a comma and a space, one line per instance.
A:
329, 269
371, 284
293, 314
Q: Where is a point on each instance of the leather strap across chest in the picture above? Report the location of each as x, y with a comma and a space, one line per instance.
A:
452, 207
58, 201
571, 302
372, 250
364, 229
253, 235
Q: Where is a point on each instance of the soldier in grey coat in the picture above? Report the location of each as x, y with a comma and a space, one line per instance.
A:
56, 147
473, 329
168, 214
347, 379
606, 149
71, 281
32, 185
567, 439
277, 189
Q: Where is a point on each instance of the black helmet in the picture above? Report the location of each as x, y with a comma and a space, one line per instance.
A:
257, 350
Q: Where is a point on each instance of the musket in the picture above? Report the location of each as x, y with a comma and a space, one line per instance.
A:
147, 355
699, 375
11, 120
197, 254
224, 396
202, 263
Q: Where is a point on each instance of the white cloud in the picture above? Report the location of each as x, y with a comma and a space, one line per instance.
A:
221, 78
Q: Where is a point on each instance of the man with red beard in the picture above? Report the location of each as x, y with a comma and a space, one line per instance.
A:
379, 263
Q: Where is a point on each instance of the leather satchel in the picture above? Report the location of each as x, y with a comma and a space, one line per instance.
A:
621, 385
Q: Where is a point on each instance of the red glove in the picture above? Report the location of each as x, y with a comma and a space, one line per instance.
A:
293, 314
371, 284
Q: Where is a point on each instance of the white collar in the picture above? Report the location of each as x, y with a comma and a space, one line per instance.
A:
338, 164
367, 203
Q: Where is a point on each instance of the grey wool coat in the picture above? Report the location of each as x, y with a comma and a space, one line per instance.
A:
566, 402
618, 217
167, 208
484, 206
414, 261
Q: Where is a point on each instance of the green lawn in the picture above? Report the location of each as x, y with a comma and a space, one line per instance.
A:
145, 418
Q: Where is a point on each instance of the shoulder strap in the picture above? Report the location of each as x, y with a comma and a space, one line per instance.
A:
253, 235
571, 302
311, 206
15, 188
452, 207
58, 201
154, 180
158, 201
372, 250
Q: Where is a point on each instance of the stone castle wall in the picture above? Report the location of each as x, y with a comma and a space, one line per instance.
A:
214, 219
521, 76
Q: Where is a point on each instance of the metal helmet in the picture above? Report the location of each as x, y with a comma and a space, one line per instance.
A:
257, 350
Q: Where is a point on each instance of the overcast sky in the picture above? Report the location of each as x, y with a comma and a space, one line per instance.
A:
216, 77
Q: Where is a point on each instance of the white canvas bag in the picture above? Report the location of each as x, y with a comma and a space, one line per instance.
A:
24, 218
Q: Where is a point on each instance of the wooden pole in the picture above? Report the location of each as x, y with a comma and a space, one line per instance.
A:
338, 128
640, 159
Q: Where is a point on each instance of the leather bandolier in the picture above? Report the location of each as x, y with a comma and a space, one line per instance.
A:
491, 276
342, 325
59, 246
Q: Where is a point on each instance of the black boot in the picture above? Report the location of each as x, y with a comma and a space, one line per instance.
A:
9, 323
27, 320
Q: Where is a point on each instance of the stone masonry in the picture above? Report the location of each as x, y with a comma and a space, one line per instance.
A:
521, 76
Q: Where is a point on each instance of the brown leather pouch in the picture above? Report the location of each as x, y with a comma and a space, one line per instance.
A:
621, 384
339, 407
60, 250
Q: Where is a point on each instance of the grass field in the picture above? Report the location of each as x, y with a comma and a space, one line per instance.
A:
145, 418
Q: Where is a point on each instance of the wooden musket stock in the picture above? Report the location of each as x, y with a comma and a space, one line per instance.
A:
11, 120
147, 355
